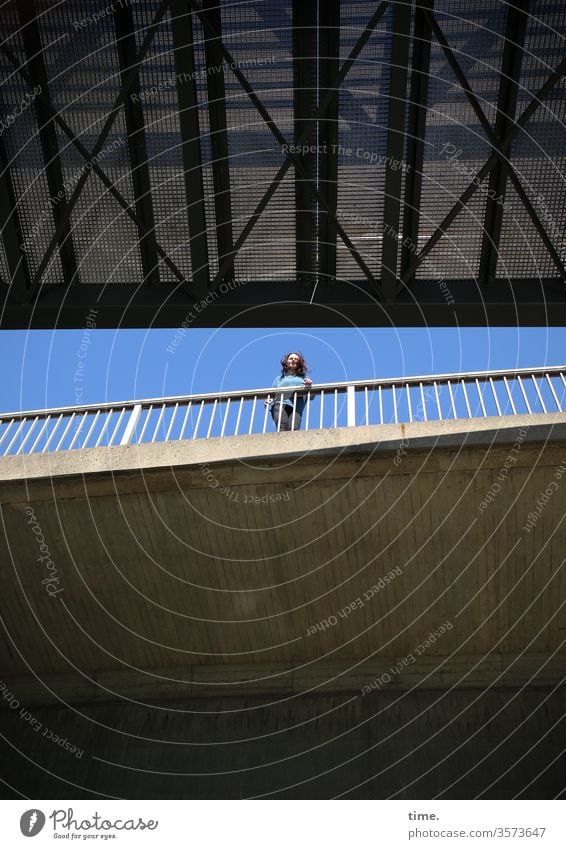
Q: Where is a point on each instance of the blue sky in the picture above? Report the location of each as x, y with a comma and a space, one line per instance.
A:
72, 367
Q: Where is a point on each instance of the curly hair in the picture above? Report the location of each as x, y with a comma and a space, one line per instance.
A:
302, 367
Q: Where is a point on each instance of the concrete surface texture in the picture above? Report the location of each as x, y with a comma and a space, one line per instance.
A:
368, 566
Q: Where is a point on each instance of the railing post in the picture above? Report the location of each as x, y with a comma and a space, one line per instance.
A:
351, 406
131, 426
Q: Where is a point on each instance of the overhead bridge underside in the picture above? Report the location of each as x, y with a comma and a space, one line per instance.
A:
299, 162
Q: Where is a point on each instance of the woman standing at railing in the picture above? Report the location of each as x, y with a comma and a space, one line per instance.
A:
287, 415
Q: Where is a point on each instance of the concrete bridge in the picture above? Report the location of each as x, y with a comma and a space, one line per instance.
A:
367, 610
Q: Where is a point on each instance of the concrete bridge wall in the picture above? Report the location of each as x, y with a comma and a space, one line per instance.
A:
280, 592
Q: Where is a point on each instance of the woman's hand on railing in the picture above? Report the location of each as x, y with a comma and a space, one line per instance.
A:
307, 381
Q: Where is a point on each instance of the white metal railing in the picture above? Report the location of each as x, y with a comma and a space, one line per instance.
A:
345, 404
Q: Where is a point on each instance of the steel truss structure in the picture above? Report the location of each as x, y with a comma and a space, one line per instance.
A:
300, 162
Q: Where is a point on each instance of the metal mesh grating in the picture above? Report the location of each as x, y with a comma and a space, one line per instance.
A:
205, 145
81, 62
538, 153
4, 270
163, 138
25, 157
362, 134
259, 37
455, 142
83, 85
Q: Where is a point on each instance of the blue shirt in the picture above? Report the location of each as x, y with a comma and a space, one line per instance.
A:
291, 380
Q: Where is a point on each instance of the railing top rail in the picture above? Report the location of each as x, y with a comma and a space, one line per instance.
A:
413, 380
